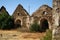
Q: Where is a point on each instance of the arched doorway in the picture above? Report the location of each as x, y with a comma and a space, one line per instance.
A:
44, 25
18, 23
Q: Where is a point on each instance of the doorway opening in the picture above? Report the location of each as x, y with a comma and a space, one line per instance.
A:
44, 25
18, 23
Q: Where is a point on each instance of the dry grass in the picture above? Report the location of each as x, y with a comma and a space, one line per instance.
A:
17, 35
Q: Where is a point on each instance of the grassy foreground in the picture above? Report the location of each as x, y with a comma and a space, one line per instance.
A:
48, 35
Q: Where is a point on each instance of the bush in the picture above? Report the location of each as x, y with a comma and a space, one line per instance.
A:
6, 21
35, 27
48, 35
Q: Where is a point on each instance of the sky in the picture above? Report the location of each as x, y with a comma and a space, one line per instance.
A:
30, 5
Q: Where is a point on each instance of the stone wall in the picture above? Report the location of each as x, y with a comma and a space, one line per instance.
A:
44, 12
56, 34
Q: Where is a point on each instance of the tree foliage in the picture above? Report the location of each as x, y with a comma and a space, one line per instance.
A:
6, 21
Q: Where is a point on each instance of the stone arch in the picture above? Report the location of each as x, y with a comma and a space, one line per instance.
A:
44, 12
58, 10
44, 23
18, 23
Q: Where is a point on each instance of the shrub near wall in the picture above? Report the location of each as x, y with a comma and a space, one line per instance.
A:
6, 21
48, 35
35, 27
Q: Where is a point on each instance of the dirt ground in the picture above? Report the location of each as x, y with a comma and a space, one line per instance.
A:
17, 35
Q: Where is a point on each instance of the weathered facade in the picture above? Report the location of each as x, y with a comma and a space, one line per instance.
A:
3, 10
56, 20
21, 17
45, 16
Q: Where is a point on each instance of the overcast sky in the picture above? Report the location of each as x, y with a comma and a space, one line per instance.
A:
33, 5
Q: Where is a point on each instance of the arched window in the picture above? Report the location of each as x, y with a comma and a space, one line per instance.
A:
58, 10
18, 23
44, 12
19, 14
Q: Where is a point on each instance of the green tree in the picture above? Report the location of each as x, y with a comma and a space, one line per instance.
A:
6, 21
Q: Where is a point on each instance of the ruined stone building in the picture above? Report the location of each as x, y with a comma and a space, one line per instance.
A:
45, 16
3, 9
21, 17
